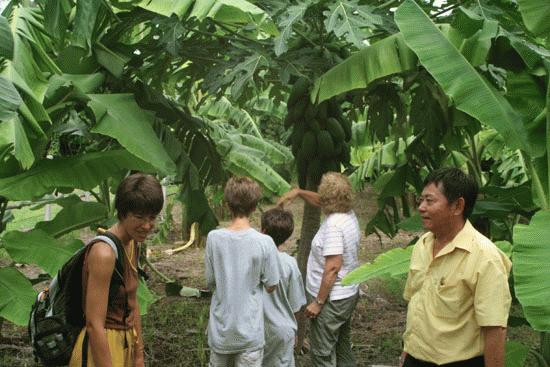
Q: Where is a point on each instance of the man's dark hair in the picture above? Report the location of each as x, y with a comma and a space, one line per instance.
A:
278, 223
138, 194
455, 184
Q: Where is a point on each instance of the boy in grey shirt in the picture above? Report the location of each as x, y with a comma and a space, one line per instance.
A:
289, 297
239, 262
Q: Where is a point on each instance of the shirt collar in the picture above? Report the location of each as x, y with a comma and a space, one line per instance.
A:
462, 240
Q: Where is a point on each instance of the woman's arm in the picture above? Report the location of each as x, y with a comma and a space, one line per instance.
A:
101, 263
333, 264
310, 196
139, 358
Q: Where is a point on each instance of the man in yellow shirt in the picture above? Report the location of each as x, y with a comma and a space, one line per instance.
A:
457, 286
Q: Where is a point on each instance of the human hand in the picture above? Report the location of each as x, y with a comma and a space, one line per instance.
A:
139, 359
313, 310
288, 197
139, 362
402, 358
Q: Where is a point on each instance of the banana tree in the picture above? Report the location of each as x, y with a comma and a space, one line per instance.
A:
442, 54
77, 112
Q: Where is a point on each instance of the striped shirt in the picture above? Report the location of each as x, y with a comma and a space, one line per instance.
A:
339, 234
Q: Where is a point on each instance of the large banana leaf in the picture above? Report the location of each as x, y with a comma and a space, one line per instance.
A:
81, 172
145, 297
84, 22
9, 99
16, 296
535, 14
240, 162
234, 12
476, 34
75, 216
6, 39
14, 134
63, 87
29, 65
224, 109
276, 154
30, 60
469, 91
531, 258
394, 263
516, 354
228, 11
386, 57
119, 116
56, 17
38, 247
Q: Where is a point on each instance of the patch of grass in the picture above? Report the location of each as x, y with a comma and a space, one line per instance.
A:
174, 333
388, 288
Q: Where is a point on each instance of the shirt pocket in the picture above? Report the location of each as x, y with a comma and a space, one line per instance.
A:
447, 299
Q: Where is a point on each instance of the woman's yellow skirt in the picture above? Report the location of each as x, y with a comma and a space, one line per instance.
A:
122, 350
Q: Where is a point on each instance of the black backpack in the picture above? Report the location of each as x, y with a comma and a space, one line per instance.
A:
57, 316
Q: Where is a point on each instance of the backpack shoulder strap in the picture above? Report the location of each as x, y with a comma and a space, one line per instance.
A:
109, 241
115, 243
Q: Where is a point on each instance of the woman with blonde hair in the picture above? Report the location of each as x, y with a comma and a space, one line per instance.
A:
334, 253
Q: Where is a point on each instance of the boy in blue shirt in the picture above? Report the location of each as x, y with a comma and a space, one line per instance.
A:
289, 297
239, 263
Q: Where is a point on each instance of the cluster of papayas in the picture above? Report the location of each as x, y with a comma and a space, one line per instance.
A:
320, 134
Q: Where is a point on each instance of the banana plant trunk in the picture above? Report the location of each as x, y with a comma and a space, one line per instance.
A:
310, 224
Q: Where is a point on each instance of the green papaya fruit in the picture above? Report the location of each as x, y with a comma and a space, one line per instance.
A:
346, 126
335, 129
299, 89
314, 126
325, 144
309, 145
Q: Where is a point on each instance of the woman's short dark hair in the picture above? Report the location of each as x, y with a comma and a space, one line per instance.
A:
278, 223
139, 194
242, 195
455, 184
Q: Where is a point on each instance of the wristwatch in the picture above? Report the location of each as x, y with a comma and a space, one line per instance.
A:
319, 302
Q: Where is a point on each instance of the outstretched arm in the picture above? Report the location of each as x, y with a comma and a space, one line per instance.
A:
310, 196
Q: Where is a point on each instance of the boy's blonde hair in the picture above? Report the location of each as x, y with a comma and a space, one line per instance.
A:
335, 193
242, 195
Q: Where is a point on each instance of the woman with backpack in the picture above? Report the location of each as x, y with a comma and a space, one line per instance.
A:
112, 335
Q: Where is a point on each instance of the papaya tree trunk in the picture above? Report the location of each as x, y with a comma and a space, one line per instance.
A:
310, 224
